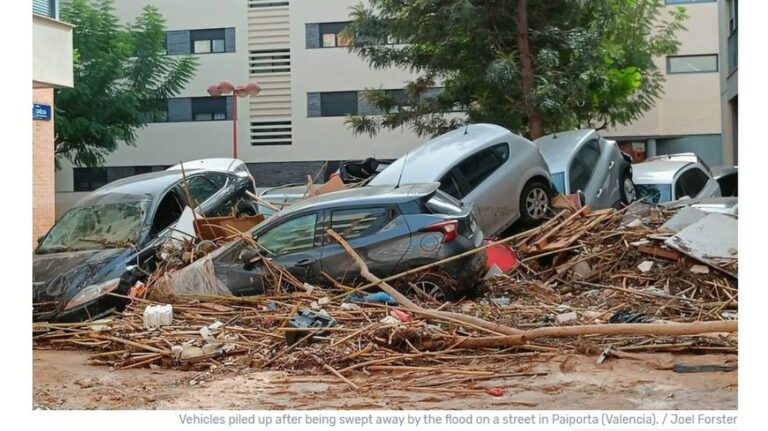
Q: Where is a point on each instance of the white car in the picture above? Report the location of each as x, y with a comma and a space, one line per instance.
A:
669, 178
235, 166
583, 161
502, 175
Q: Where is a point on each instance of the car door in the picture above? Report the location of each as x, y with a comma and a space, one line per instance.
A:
581, 173
484, 185
379, 234
293, 244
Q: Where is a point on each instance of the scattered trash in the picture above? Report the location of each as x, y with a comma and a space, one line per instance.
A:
156, 316
700, 269
566, 317
349, 306
493, 272
496, 392
401, 315
324, 301
686, 368
389, 320
502, 301
307, 322
645, 266
372, 297
628, 317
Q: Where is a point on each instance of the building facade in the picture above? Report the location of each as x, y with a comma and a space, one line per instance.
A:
729, 78
295, 51
51, 68
687, 116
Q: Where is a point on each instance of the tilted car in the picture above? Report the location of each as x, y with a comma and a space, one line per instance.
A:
282, 196
221, 164
668, 178
107, 241
502, 175
393, 230
583, 161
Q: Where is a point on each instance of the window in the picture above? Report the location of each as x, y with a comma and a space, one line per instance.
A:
89, 179
690, 183
200, 189
358, 223
168, 211
692, 63
332, 34
689, 1
450, 185
47, 8
582, 166
729, 184
208, 41
293, 235
733, 34
209, 108
339, 103
476, 168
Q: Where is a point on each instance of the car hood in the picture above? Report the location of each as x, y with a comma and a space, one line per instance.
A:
59, 276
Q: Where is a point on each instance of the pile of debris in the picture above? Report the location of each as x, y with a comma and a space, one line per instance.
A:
588, 282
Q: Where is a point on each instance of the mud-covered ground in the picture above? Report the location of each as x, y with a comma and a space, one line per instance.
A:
63, 380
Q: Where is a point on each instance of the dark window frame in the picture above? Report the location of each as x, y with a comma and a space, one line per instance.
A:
316, 239
388, 213
202, 35
671, 57
199, 108
593, 144
465, 182
325, 111
681, 183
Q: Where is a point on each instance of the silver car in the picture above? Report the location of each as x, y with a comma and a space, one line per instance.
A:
583, 161
669, 178
502, 175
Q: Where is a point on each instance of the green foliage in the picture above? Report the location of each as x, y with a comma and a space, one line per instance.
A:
593, 61
121, 74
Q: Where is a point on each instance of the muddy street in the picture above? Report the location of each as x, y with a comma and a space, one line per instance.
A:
63, 380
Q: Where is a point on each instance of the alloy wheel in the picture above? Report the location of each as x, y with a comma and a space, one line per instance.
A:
536, 203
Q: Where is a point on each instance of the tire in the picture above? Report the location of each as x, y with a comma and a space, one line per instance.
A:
627, 187
435, 284
534, 203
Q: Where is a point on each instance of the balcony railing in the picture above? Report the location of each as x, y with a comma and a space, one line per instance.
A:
733, 51
49, 8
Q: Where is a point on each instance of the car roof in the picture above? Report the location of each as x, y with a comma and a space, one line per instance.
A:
360, 196
288, 191
657, 171
220, 163
558, 147
134, 188
431, 160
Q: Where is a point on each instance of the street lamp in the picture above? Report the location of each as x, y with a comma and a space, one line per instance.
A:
225, 87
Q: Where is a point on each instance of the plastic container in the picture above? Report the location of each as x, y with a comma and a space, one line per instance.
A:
158, 315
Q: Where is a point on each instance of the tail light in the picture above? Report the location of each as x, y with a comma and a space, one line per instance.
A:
450, 229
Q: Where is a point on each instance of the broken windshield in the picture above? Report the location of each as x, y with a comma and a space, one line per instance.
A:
112, 225
654, 193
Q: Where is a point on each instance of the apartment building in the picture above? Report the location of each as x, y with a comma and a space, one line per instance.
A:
294, 50
687, 116
729, 78
51, 68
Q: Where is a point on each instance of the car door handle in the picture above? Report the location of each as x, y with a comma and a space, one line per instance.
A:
599, 192
610, 166
305, 262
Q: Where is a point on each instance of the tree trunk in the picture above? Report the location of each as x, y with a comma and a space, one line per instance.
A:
535, 121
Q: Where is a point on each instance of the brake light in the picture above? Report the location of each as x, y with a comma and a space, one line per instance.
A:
450, 229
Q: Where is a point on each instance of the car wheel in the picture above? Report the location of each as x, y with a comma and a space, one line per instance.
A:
627, 187
432, 285
534, 203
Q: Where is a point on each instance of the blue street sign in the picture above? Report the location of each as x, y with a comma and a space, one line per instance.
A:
41, 112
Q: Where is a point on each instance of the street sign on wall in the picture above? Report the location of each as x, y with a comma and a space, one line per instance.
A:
41, 112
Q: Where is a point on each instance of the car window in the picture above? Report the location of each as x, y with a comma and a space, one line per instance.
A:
201, 188
729, 184
583, 165
477, 167
290, 236
168, 211
359, 222
449, 184
219, 179
690, 183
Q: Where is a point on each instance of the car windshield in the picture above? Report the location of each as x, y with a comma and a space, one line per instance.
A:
654, 193
97, 226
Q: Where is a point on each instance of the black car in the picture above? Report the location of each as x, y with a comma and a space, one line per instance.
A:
107, 242
393, 229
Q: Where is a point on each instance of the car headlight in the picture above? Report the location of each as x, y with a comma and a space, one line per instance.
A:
92, 292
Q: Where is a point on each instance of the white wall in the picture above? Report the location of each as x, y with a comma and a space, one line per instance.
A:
51, 53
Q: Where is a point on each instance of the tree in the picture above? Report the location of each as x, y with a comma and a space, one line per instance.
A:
122, 77
533, 67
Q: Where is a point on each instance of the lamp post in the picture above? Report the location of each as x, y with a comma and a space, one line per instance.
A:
246, 90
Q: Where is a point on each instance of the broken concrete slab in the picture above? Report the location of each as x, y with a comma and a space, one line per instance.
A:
645, 266
715, 236
684, 218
